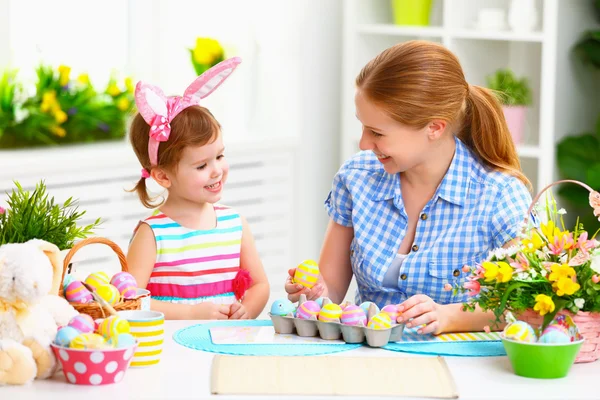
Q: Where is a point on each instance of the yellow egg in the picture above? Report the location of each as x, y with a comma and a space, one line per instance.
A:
88, 341
380, 321
330, 313
109, 293
307, 273
97, 279
113, 326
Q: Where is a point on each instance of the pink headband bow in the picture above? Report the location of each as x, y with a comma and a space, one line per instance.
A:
159, 110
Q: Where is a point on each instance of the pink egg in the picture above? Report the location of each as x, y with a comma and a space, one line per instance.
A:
392, 311
77, 293
83, 323
125, 283
308, 310
354, 315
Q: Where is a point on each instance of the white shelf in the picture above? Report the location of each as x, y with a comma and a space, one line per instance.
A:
534, 37
396, 30
528, 151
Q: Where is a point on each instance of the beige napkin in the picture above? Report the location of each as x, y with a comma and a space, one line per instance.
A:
326, 375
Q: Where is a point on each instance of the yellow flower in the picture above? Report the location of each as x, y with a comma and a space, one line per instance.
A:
543, 304
207, 50
64, 73
565, 286
58, 131
561, 271
549, 230
113, 89
60, 116
491, 271
505, 272
123, 104
533, 243
129, 85
48, 101
84, 79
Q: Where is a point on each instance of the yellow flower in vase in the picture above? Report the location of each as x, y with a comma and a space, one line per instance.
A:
129, 85
63, 75
113, 89
565, 286
60, 116
123, 104
58, 131
550, 231
543, 304
207, 53
84, 79
490, 271
558, 272
505, 272
533, 243
49, 102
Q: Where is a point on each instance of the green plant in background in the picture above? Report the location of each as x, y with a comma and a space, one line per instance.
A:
207, 53
62, 110
511, 90
35, 215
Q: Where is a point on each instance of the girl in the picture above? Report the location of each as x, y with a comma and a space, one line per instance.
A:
437, 186
196, 257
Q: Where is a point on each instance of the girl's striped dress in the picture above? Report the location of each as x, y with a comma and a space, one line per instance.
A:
193, 266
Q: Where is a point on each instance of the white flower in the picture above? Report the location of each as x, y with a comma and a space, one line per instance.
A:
499, 253
523, 276
533, 273
579, 303
541, 254
543, 272
562, 211
512, 250
564, 258
595, 265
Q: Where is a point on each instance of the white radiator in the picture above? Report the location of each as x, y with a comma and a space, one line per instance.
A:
260, 186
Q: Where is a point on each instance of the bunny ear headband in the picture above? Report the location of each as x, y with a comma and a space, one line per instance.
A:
159, 110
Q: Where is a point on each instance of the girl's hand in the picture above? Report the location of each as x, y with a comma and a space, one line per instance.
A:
294, 290
238, 311
210, 310
423, 311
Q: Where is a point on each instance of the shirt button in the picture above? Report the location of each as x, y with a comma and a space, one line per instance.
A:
456, 272
415, 247
423, 216
403, 277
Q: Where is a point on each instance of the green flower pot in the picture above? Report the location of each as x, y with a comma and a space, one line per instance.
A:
541, 360
411, 12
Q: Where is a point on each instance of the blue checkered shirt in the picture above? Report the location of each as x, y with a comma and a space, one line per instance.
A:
473, 211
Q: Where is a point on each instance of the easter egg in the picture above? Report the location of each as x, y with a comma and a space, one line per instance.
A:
68, 279
282, 307
83, 323
554, 335
365, 306
353, 315
308, 310
307, 274
77, 293
320, 301
520, 331
109, 293
113, 326
125, 284
122, 340
88, 341
97, 279
65, 335
380, 321
392, 311
330, 313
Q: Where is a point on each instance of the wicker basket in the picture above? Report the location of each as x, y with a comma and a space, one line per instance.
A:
589, 327
94, 309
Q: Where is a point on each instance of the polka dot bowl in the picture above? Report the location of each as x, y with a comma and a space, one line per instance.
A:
94, 367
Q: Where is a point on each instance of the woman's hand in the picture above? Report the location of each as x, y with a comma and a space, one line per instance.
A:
424, 312
294, 290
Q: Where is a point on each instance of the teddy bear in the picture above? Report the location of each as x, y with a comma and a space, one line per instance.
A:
30, 310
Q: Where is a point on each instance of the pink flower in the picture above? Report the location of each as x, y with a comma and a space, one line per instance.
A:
2, 210
479, 272
581, 258
583, 244
473, 287
595, 203
520, 264
561, 243
466, 268
595, 278
447, 287
487, 329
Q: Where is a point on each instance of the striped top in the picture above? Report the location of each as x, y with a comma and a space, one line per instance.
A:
193, 266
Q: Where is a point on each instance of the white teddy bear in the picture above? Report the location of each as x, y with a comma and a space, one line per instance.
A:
30, 310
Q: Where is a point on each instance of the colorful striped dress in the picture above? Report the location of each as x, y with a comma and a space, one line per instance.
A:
193, 266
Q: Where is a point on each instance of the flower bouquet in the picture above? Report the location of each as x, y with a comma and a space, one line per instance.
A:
549, 270
206, 54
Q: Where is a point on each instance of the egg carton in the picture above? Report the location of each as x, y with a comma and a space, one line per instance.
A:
288, 324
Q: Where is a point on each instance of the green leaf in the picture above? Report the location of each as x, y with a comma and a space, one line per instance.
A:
576, 153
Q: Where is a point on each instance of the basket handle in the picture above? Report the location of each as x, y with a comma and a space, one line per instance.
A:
93, 240
594, 199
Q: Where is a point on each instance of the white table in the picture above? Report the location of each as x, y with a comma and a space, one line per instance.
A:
185, 374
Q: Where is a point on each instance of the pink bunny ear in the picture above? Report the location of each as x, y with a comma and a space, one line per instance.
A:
206, 83
150, 101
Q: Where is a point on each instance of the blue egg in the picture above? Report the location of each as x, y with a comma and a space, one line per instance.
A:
365, 306
65, 335
554, 336
320, 301
282, 307
122, 340
68, 279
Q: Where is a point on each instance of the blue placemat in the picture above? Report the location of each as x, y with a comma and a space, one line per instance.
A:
198, 337
426, 344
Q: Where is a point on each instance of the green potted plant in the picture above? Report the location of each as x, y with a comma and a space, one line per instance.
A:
515, 96
36, 215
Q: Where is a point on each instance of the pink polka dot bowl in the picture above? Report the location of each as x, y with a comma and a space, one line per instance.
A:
94, 367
